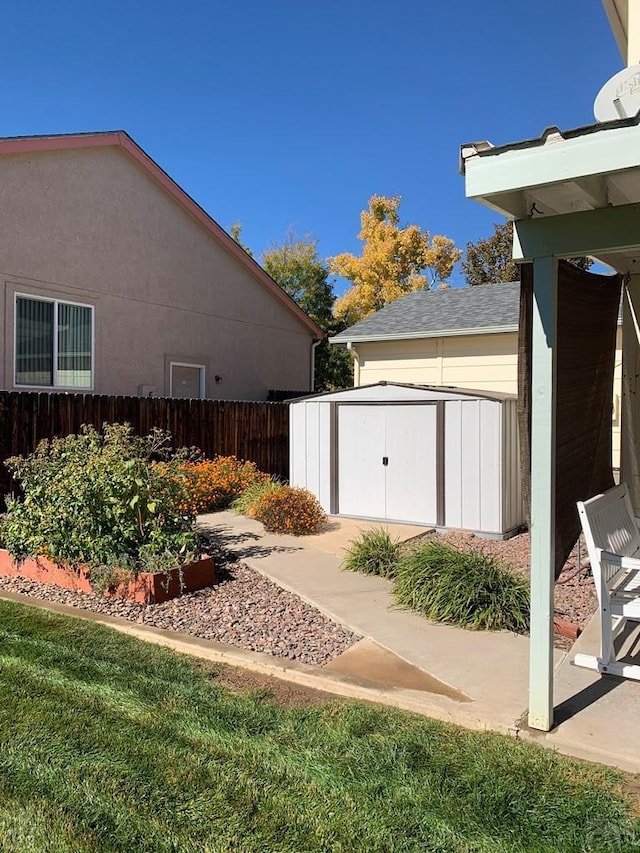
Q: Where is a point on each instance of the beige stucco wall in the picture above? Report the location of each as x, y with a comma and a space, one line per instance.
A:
483, 362
92, 226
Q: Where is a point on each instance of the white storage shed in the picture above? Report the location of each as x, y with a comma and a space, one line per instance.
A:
445, 457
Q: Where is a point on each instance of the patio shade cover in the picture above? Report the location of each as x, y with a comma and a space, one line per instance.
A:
587, 317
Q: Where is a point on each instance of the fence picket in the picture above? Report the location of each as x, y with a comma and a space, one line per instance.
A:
255, 431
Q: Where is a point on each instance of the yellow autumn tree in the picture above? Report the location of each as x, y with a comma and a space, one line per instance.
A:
394, 261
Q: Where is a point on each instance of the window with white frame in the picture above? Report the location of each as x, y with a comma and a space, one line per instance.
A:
53, 343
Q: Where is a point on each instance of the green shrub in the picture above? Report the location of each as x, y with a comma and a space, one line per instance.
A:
105, 500
462, 587
373, 552
288, 510
245, 502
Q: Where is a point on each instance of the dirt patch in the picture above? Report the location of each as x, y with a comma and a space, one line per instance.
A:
631, 789
269, 688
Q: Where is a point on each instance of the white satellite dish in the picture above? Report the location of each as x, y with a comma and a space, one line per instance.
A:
620, 96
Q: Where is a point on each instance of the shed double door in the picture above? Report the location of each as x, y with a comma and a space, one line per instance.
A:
388, 462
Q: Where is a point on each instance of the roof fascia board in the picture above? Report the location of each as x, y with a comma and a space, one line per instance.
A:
442, 333
521, 168
25, 145
587, 232
60, 142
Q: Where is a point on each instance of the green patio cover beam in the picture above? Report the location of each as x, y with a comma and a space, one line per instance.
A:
588, 232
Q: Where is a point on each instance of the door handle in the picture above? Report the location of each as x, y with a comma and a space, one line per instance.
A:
385, 460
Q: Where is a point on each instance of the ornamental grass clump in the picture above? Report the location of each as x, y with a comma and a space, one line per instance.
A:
214, 483
109, 500
289, 510
464, 588
246, 501
373, 552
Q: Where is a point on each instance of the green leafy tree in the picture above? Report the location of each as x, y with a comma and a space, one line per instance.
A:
296, 267
395, 260
489, 261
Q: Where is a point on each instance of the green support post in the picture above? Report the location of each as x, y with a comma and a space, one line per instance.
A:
543, 476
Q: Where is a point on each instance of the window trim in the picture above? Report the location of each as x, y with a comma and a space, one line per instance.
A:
55, 386
202, 369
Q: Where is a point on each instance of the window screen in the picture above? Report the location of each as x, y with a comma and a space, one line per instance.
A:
53, 344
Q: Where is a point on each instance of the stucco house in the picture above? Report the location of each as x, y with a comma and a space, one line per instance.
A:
116, 282
460, 337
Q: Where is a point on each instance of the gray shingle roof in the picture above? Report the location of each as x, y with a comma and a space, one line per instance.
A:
489, 307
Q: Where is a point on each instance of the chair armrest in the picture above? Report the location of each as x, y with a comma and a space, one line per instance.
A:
618, 560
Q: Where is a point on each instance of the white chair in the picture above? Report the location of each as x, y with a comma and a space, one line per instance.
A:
613, 542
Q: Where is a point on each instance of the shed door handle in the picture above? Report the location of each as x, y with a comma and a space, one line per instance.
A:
385, 460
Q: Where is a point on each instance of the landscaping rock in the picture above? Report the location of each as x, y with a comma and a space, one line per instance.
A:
242, 609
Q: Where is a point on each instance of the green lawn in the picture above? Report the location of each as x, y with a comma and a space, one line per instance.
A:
107, 743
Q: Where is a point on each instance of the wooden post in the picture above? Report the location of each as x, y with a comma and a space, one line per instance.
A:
543, 481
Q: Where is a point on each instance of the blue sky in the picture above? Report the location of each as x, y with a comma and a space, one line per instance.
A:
289, 115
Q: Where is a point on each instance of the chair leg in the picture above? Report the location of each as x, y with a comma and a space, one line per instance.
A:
607, 663
607, 653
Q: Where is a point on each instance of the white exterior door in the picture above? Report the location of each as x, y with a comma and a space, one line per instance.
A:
412, 466
388, 462
361, 474
187, 380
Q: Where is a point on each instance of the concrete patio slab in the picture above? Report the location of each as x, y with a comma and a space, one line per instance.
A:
596, 716
340, 532
490, 668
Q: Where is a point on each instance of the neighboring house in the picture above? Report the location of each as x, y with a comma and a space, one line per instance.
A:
116, 282
460, 337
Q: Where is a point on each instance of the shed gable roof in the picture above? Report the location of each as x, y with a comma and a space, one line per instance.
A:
122, 140
435, 313
384, 391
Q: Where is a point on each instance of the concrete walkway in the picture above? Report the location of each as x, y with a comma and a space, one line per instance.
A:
476, 679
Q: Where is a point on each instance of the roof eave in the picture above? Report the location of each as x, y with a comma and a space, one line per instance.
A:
440, 333
501, 177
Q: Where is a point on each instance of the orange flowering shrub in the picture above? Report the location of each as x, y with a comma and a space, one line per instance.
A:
289, 510
214, 483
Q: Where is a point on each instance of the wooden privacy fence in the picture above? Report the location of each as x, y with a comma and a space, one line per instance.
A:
255, 431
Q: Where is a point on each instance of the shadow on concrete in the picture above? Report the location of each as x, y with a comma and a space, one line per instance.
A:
226, 544
330, 525
581, 700
627, 650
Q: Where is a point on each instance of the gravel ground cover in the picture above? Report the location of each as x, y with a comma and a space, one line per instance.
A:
241, 609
